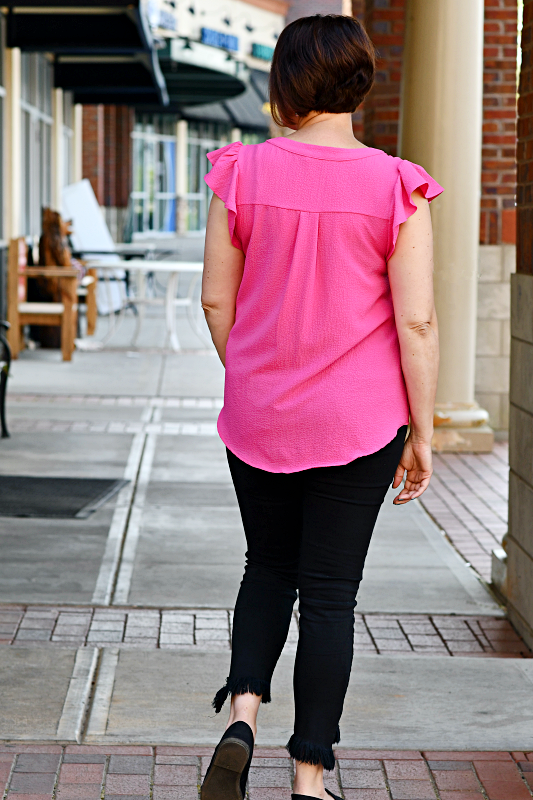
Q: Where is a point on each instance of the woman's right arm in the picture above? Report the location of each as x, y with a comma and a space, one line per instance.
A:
411, 280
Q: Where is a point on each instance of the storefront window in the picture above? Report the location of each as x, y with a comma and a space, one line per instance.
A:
203, 137
154, 174
36, 112
154, 198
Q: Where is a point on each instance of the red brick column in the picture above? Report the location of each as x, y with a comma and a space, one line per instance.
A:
498, 181
110, 156
93, 148
125, 124
385, 22
358, 119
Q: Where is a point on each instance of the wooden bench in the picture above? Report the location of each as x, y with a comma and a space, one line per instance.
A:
20, 312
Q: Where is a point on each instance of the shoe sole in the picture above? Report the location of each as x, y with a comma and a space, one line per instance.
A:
223, 781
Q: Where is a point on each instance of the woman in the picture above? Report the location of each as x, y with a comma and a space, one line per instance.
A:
317, 290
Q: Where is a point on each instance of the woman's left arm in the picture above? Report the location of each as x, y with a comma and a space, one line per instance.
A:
223, 270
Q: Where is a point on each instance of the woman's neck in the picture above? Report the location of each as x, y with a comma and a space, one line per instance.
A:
329, 130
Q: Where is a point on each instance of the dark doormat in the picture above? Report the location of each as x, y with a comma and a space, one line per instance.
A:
64, 498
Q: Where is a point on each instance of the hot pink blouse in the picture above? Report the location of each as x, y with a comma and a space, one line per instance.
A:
313, 373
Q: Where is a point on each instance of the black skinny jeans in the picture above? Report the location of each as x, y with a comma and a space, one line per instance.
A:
308, 533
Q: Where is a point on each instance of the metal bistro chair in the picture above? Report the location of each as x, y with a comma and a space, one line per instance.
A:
5, 363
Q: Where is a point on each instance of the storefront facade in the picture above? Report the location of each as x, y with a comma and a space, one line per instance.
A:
216, 48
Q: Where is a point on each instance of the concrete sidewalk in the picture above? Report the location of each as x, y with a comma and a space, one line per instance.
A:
116, 628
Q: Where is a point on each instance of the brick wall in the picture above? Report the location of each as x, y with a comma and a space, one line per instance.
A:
385, 22
111, 156
125, 123
376, 121
93, 149
107, 160
498, 216
358, 119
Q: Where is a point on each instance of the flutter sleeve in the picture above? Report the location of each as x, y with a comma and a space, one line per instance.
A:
223, 180
410, 177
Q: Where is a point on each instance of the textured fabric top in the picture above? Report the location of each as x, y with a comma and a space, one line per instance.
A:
313, 373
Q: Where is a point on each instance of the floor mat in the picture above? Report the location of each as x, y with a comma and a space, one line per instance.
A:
64, 498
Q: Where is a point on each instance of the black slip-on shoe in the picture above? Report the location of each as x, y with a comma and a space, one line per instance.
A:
308, 797
227, 773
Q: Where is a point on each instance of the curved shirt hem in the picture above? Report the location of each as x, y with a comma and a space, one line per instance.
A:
258, 464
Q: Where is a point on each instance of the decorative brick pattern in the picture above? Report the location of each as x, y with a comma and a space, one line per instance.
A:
57, 425
386, 634
113, 400
467, 498
25, 425
498, 181
81, 772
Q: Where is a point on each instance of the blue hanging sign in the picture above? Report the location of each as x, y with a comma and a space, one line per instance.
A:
218, 39
262, 51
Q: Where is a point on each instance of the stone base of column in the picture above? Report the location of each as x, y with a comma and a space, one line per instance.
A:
462, 428
463, 440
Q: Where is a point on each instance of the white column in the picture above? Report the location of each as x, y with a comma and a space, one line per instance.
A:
77, 149
182, 133
57, 148
13, 151
441, 129
235, 135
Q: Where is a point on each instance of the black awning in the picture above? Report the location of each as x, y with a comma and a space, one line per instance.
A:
89, 26
197, 74
259, 81
211, 112
246, 110
112, 80
188, 84
82, 34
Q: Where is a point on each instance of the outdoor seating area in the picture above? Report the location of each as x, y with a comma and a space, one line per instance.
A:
103, 279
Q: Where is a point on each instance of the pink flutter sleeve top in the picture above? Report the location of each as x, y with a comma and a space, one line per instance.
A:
313, 373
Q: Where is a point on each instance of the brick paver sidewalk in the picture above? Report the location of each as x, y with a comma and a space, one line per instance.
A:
385, 634
467, 498
44, 772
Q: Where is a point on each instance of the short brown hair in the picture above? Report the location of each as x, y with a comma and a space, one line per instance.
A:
322, 63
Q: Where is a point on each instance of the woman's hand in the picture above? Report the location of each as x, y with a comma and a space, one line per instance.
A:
417, 462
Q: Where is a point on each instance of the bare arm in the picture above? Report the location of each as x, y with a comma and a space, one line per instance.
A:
411, 280
223, 269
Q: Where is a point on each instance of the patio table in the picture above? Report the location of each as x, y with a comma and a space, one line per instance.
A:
173, 269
